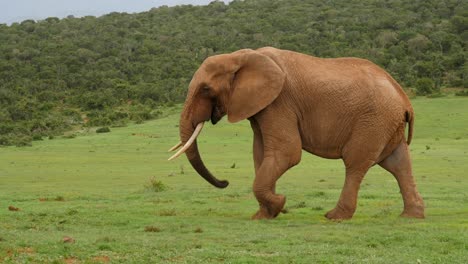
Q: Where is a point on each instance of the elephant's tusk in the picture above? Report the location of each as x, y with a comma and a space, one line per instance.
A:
175, 147
189, 142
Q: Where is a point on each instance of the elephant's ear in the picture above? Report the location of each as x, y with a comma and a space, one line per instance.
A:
256, 84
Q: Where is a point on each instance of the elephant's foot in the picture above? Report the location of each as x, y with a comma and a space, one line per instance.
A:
339, 213
262, 213
416, 211
271, 210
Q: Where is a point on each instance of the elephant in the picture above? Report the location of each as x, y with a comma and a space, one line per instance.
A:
335, 108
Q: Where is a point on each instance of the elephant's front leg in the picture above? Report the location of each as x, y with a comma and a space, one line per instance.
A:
274, 164
257, 144
263, 189
270, 203
277, 147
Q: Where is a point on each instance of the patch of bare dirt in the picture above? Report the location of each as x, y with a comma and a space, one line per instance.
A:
12, 208
101, 259
67, 239
71, 261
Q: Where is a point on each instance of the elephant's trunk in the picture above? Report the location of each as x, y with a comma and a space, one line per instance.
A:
194, 157
186, 132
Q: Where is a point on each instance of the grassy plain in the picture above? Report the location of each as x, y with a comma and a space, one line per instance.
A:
94, 189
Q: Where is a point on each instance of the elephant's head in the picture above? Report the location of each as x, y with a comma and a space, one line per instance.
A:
238, 84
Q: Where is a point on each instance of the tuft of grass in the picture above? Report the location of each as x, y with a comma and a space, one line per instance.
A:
301, 204
368, 196
72, 212
152, 229
59, 198
105, 247
170, 212
317, 208
318, 194
155, 185
198, 230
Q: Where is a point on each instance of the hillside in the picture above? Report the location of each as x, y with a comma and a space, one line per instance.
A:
59, 74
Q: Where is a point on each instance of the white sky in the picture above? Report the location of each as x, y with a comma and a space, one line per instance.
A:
19, 10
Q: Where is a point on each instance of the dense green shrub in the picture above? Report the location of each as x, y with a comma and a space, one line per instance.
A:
424, 86
103, 130
22, 141
462, 93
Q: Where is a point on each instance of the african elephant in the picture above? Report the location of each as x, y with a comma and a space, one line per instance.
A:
343, 108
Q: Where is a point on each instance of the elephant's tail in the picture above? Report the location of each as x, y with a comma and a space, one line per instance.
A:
409, 115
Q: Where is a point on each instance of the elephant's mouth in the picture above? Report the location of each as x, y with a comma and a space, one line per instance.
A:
216, 114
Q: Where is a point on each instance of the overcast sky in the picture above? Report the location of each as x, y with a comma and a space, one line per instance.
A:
19, 10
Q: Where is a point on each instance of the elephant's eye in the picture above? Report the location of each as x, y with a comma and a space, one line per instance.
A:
205, 89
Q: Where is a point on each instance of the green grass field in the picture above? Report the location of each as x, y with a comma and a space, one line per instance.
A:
96, 189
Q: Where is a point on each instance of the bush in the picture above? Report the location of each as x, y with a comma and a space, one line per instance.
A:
140, 113
462, 93
5, 140
105, 118
424, 86
23, 141
69, 136
37, 137
436, 95
410, 93
103, 130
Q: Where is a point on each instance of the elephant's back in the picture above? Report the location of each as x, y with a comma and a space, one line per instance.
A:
336, 98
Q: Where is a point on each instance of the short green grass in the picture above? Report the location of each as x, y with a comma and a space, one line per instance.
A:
113, 197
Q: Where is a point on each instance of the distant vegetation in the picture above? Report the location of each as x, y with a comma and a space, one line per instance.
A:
59, 74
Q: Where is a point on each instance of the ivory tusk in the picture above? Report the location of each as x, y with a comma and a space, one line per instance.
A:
175, 147
189, 142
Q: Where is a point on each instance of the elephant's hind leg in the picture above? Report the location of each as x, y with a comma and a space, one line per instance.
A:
359, 155
399, 164
346, 205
